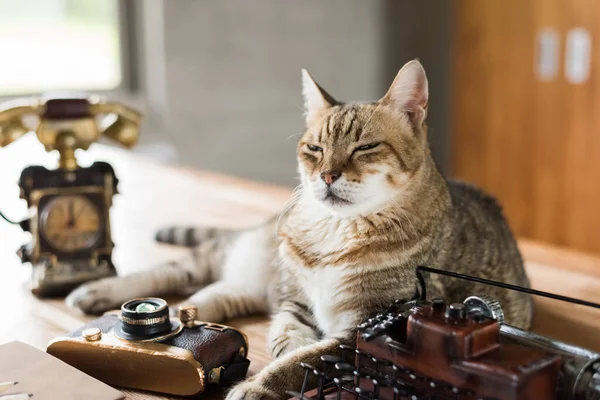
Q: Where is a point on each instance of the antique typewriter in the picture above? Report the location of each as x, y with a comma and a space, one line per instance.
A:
430, 350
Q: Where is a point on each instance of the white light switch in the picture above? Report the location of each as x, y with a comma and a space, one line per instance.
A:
578, 49
548, 42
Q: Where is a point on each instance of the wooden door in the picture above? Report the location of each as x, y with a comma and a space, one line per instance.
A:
533, 143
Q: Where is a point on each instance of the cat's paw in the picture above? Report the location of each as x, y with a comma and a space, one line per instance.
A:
251, 390
290, 341
93, 298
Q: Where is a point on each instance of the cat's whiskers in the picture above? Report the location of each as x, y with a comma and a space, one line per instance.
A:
404, 213
296, 195
304, 110
370, 118
404, 235
397, 219
294, 135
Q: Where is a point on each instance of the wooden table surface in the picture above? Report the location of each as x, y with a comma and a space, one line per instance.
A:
152, 196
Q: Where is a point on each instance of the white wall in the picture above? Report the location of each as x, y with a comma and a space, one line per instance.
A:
232, 73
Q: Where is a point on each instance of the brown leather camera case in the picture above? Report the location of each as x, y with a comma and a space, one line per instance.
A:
181, 365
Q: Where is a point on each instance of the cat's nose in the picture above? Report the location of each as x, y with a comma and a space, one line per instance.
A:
330, 177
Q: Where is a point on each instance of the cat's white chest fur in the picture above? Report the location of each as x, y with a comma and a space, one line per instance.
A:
320, 286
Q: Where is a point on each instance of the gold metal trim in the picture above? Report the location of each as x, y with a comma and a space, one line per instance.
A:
34, 200
39, 193
92, 334
143, 322
187, 315
212, 325
112, 343
101, 106
216, 327
214, 375
18, 107
81, 131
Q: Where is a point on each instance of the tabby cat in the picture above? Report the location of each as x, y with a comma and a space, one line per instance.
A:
371, 207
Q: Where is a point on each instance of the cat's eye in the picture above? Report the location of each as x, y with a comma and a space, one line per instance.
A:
367, 146
314, 148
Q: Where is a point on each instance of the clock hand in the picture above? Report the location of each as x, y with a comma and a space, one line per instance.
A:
71, 222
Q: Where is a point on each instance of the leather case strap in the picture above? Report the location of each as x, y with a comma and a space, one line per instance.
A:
235, 371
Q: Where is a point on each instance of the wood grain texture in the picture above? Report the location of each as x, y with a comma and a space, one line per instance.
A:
534, 144
152, 196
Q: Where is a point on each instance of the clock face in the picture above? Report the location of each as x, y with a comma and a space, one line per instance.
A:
70, 223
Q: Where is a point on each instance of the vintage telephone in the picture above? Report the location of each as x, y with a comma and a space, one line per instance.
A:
69, 222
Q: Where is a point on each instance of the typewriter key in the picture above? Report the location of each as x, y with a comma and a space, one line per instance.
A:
364, 394
308, 368
360, 375
402, 390
345, 349
329, 359
321, 378
344, 379
328, 362
344, 367
438, 304
376, 386
456, 311
385, 381
368, 336
339, 383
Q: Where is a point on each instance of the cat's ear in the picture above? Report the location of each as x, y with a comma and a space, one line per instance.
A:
315, 98
410, 91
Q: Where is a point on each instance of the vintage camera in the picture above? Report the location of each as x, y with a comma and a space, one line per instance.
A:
142, 347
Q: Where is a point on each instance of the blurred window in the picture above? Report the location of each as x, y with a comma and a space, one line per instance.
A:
59, 45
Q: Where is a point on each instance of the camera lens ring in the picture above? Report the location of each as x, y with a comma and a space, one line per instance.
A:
129, 308
145, 319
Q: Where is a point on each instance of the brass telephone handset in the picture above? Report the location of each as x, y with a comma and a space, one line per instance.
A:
67, 124
70, 219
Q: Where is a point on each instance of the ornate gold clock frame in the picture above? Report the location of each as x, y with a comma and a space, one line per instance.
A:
69, 206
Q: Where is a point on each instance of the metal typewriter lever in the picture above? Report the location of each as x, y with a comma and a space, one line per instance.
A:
381, 323
394, 344
490, 308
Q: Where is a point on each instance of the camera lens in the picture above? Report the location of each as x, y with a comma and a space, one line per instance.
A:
144, 318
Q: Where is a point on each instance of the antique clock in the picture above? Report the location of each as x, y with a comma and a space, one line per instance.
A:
69, 206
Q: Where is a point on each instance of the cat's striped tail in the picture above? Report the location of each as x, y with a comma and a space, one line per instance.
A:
188, 236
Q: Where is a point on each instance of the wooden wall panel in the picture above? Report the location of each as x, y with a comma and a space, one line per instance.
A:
534, 144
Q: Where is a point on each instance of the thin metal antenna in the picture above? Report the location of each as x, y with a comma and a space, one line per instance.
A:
503, 285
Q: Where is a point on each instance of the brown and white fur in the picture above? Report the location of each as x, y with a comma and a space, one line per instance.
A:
371, 207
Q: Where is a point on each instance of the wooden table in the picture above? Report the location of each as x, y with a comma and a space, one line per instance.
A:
152, 196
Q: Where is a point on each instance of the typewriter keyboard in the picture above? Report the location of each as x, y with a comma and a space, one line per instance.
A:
358, 375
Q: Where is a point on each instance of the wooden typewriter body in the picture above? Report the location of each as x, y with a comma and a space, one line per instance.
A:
433, 350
